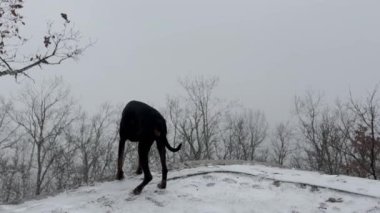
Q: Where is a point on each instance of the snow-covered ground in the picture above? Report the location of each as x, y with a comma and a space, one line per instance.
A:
223, 188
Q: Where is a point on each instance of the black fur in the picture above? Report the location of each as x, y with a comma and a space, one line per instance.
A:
144, 124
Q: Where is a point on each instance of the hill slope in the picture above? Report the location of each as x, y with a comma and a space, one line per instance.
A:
228, 188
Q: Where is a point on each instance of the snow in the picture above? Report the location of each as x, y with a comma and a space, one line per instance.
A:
219, 188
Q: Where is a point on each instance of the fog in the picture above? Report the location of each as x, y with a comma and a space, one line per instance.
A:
264, 52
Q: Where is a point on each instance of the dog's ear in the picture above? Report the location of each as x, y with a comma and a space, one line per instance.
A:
157, 133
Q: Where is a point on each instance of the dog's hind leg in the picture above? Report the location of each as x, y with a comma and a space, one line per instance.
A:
120, 159
139, 170
143, 150
162, 152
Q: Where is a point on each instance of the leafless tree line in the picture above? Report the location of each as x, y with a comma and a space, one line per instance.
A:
48, 143
340, 139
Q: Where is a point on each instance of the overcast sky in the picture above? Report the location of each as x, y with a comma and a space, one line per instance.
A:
263, 51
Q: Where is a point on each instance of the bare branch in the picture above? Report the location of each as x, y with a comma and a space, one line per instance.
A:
59, 45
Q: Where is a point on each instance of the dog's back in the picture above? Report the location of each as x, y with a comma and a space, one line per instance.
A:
141, 120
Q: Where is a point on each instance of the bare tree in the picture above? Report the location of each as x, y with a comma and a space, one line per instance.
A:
243, 134
105, 136
7, 127
257, 131
44, 114
203, 112
234, 138
321, 133
64, 169
366, 138
81, 135
11, 181
173, 114
94, 138
59, 45
281, 143
199, 115
346, 124
14, 163
297, 157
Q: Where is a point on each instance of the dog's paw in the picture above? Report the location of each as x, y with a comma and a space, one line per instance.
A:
161, 185
137, 191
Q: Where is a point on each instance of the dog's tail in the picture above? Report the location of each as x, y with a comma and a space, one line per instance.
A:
165, 141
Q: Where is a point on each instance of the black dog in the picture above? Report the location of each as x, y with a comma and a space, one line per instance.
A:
144, 124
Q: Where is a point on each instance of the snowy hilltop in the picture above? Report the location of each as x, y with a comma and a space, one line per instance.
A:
219, 188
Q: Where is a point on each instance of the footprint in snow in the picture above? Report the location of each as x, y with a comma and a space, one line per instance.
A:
257, 186
160, 192
210, 184
244, 184
276, 183
341, 180
334, 200
208, 177
130, 198
105, 201
229, 180
155, 202
191, 186
322, 206
184, 195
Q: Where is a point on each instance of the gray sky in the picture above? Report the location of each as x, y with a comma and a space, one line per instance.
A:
264, 52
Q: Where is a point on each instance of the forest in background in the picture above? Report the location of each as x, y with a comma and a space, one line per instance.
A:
49, 143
